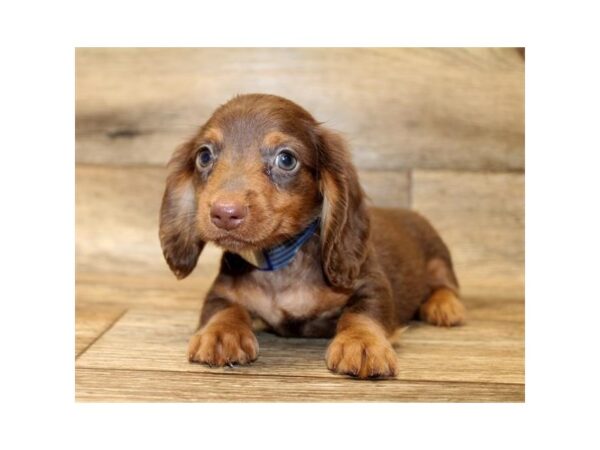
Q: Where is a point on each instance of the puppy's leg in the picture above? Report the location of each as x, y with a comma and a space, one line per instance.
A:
361, 347
225, 335
443, 307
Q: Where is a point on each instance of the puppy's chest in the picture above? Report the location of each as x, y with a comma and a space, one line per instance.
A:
292, 303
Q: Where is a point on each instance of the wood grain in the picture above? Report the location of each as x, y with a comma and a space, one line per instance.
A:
99, 385
504, 309
484, 351
481, 216
386, 188
400, 108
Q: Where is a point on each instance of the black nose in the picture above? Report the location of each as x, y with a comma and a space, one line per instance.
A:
227, 215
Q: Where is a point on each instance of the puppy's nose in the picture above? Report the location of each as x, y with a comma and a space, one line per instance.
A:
227, 215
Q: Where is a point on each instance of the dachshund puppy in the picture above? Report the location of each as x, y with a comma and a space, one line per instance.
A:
302, 250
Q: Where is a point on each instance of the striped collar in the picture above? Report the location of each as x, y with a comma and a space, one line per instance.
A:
281, 255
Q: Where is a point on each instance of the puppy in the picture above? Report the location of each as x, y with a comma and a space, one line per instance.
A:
302, 250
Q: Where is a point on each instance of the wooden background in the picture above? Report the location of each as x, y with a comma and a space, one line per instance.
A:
437, 130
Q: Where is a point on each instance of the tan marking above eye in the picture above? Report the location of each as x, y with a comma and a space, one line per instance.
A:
276, 139
213, 134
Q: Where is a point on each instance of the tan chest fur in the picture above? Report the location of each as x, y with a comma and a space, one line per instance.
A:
297, 302
296, 293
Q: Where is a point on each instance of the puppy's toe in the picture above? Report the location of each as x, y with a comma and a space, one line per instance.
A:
362, 356
443, 308
220, 345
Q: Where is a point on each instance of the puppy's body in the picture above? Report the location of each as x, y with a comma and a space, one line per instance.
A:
298, 301
259, 172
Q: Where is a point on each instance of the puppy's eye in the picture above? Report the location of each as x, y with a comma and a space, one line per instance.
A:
286, 161
205, 157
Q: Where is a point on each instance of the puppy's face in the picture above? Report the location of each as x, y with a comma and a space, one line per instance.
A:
258, 172
251, 173
255, 174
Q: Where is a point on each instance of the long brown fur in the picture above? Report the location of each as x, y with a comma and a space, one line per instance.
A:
366, 272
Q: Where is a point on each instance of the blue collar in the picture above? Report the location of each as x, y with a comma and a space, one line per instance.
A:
281, 255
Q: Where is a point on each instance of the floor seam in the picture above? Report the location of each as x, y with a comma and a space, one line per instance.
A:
112, 324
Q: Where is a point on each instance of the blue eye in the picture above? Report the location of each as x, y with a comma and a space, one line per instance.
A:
204, 157
286, 161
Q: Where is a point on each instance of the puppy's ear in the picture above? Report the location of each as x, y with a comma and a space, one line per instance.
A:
344, 219
179, 239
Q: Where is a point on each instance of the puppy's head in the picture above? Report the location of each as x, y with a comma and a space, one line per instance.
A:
257, 173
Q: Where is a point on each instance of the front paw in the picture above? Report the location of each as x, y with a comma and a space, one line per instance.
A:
362, 355
221, 344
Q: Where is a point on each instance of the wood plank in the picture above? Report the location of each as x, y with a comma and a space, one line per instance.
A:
504, 309
98, 385
482, 351
152, 290
91, 322
386, 188
481, 218
117, 211
399, 107
116, 220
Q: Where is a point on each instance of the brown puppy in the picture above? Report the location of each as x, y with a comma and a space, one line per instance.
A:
272, 187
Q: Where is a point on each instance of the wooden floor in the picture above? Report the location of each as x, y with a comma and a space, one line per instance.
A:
129, 347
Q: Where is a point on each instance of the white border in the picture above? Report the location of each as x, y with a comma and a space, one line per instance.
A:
562, 223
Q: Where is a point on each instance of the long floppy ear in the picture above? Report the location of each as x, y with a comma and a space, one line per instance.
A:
179, 239
344, 219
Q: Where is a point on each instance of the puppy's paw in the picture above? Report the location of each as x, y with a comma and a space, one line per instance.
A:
221, 344
362, 355
443, 308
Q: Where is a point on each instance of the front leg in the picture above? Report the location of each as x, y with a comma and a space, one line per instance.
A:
360, 347
225, 335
